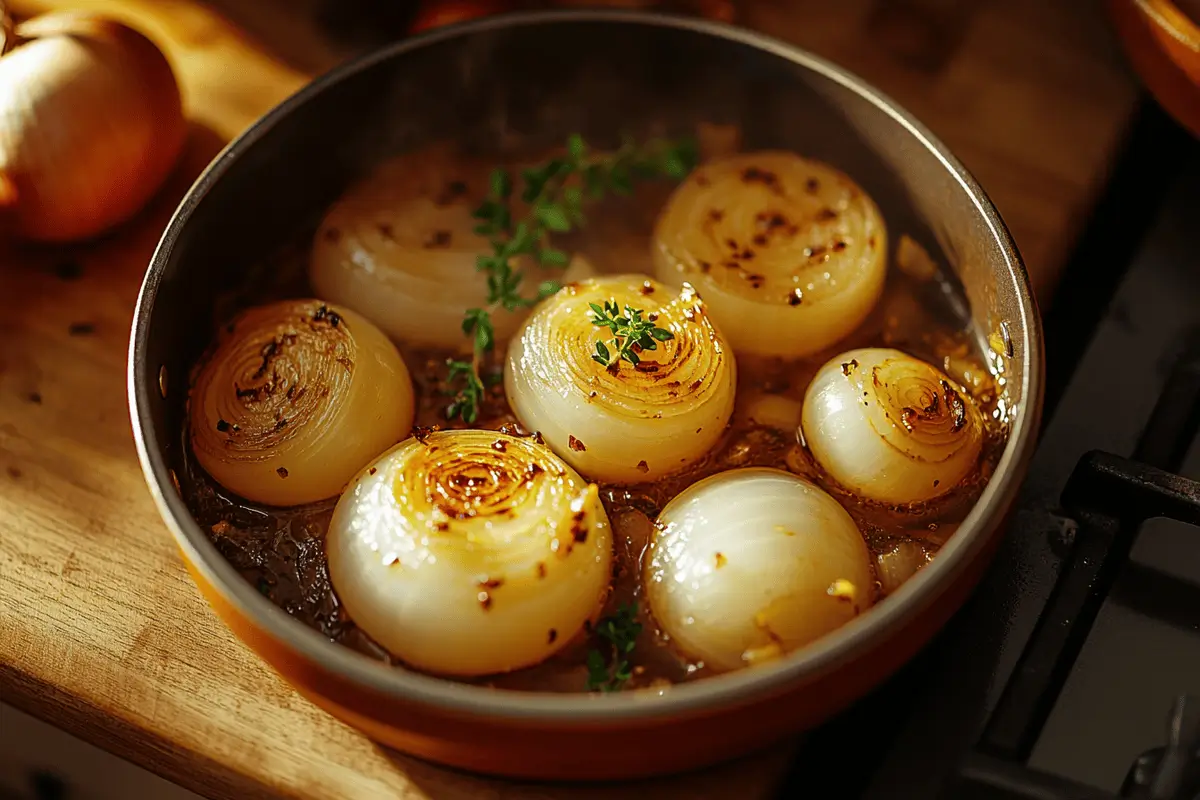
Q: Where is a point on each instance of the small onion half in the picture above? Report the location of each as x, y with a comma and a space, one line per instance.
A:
295, 398
790, 254
628, 424
891, 427
470, 552
400, 248
749, 564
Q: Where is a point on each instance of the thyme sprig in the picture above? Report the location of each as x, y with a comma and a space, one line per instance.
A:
620, 630
631, 333
552, 195
469, 398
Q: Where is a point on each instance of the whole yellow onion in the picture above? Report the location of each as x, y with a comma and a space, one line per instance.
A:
295, 399
91, 124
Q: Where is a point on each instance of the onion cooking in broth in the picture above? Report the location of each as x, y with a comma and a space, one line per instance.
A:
470, 552
619, 422
701, 458
891, 427
749, 564
294, 398
789, 253
400, 248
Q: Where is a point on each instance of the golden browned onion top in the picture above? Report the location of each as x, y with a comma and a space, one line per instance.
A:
924, 412
274, 373
477, 476
771, 226
681, 373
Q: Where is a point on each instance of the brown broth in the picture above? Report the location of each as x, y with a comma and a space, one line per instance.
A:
281, 551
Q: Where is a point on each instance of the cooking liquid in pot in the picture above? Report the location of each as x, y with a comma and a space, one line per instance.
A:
281, 552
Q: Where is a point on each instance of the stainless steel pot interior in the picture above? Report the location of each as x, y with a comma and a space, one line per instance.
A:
538, 77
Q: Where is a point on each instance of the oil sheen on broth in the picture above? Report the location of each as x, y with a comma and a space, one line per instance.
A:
280, 549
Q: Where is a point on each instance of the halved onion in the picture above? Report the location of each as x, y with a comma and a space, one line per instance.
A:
749, 564
470, 552
790, 254
400, 248
891, 427
295, 398
626, 424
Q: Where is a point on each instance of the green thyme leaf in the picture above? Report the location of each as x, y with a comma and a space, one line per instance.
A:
547, 288
619, 631
555, 192
630, 332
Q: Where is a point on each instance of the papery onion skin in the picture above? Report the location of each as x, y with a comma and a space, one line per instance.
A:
789, 253
400, 248
295, 398
91, 124
754, 563
628, 424
470, 552
890, 427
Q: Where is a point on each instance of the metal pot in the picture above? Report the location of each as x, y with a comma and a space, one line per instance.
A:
548, 74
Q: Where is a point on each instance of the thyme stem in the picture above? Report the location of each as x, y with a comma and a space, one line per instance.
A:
553, 193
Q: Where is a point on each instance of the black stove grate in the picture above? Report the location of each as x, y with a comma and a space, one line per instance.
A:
1173, 770
1108, 497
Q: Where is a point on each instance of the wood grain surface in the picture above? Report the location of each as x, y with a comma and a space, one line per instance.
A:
102, 632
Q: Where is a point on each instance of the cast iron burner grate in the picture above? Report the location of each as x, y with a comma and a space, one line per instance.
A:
1109, 497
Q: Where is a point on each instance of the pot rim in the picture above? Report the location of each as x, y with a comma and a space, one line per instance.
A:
739, 687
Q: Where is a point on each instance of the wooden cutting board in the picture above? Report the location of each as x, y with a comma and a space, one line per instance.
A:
102, 632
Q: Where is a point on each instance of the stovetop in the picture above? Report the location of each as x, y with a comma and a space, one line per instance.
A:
1077, 660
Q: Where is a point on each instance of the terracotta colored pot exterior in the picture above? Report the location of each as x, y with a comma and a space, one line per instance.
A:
592, 752
1163, 45
675, 72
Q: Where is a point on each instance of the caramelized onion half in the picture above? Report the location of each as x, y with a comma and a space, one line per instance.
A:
625, 424
295, 398
790, 254
470, 552
400, 248
891, 427
749, 564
